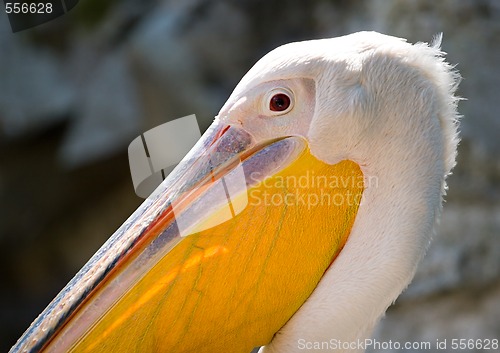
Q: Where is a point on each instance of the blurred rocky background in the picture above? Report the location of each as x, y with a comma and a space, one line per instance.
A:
75, 92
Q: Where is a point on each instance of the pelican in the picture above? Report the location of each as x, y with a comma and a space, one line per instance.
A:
296, 220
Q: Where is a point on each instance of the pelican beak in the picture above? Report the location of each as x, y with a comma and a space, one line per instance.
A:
159, 224
200, 262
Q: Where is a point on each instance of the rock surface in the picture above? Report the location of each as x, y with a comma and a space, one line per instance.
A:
76, 91
34, 92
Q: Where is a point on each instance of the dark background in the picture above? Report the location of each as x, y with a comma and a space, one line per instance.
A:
75, 92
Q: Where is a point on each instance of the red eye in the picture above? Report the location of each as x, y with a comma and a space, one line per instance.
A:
279, 102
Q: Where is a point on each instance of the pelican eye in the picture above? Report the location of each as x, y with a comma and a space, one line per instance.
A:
279, 101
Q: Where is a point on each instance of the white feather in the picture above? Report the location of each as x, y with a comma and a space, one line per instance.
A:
389, 106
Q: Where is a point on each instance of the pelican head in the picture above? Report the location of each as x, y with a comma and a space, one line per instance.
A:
299, 217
